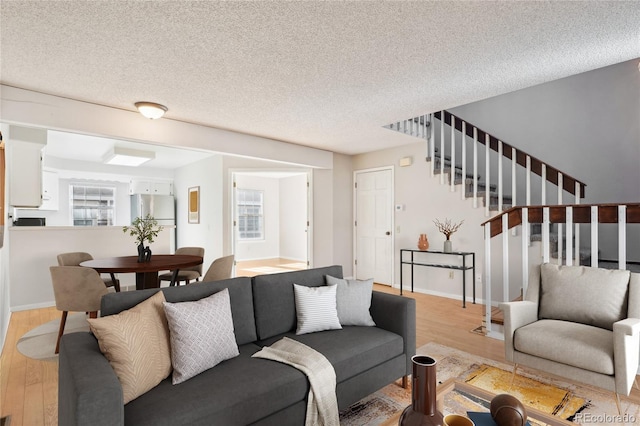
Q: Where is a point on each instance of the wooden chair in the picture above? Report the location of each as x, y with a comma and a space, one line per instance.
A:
185, 274
77, 257
220, 269
76, 289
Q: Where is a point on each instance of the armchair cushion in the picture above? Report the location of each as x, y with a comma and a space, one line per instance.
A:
579, 345
584, 295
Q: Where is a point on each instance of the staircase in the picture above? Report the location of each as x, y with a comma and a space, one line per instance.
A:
463, 154
497, 176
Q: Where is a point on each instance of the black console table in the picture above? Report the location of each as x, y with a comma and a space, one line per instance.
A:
464, 267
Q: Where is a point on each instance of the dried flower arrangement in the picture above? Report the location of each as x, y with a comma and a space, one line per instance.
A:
447, 227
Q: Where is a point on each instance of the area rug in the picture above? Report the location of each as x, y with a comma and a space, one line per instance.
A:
40, 343
575, 403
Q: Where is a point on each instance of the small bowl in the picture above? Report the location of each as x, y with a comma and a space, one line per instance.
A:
457, 420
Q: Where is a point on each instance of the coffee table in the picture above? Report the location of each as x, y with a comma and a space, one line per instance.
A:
454, 391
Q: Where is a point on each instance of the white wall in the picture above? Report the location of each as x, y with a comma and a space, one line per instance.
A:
293, 218
269, 246
207, 174
33, 249
424, 200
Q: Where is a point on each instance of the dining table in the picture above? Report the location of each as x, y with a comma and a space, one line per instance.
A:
146, 272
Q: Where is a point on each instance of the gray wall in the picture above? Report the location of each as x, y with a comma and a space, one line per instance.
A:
588, 126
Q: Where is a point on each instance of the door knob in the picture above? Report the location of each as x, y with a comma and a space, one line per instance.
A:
388, 233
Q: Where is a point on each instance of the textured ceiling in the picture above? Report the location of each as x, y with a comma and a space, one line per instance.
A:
321, 74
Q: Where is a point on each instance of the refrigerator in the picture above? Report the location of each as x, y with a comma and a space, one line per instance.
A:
161, 207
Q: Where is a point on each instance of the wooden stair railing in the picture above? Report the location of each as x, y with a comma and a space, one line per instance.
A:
460, 130
569, 216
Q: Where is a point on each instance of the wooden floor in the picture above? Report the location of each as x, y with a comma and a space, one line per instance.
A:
29, 389
251, 268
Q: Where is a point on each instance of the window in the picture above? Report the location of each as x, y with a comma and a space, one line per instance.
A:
92, 205
250, 208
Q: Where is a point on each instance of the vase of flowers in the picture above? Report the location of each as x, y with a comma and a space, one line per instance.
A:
145, 230
447, 228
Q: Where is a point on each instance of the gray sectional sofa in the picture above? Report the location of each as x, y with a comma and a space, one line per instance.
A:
242, 390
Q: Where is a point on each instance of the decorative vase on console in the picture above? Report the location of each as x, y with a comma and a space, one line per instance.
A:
447, 228
423, 242
144, 229
423, 410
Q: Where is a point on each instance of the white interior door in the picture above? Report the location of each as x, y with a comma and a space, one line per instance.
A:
374, 225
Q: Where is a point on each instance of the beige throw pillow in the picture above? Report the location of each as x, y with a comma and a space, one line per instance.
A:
136, 343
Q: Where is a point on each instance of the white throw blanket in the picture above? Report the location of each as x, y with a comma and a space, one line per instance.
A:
322, 404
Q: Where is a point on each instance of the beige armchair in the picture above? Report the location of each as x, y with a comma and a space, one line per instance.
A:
185, 274
220, 269
77, 257
76, 289
577, 322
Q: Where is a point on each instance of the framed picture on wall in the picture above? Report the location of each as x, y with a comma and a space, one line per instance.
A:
194, 204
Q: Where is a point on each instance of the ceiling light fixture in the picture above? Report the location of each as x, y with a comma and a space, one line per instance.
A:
151, 109
118, 156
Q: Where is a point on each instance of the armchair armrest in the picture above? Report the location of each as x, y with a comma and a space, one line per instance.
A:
516, 315
89, 392
398, 315
626, 352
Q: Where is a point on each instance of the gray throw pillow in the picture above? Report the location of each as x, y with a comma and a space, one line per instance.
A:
201, 334
315, 309
591, 296
353, 300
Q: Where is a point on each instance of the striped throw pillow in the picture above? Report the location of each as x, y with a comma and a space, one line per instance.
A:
316, 309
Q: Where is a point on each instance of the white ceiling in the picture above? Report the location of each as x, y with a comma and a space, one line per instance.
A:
321, 74
94, 149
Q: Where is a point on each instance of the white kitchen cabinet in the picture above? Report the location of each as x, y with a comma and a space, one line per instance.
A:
50, 198
25, 188
148, 187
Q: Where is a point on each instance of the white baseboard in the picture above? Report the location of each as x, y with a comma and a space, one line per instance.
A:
33, 306
439, 294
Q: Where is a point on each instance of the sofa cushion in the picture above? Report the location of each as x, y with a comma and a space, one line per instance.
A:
579, 345
352, 350
315, 309
136, 343
229, 394
274, 302
240, 293
201, 334
592, 296
353, 299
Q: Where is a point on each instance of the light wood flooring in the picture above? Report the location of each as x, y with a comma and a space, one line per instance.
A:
29, 389
250, 268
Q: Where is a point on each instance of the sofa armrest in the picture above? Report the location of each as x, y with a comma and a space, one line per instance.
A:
626, 342
516, 315
89, 392
398, 315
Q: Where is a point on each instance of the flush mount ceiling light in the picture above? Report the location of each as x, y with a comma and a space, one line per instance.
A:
151, 110
127, 157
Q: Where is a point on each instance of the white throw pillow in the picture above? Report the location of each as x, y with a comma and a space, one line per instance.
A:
316, 309
353, 299
201, 334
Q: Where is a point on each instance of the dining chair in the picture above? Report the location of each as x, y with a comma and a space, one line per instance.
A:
220, 269
77, 257
76, 289
185, 274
